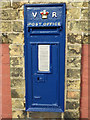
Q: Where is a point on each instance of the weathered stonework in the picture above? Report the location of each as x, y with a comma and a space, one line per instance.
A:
73, 84
85, 13
17, 104
73, 94
18, 26
16, 50
4, 38
17, 5
74, 62
5, 4
11, 38
74, 50
44, 115
18, 93
78, 26
74, 38
73, 13
73, 73
9, 14
70, 105
79, 4
86, 39
19, 114
17, 83
6, 26
21, 14
17, 61
72, 115
17, 72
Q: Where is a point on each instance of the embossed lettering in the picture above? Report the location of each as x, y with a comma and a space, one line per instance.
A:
34, 14
54, 14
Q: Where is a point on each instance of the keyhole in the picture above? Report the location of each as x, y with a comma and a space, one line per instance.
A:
37, 78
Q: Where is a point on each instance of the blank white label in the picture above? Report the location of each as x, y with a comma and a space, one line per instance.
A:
44, 57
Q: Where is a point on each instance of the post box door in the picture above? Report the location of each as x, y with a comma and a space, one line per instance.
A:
45, 74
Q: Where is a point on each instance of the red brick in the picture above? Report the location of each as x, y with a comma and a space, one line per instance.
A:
85, 62
0, 59
0, 49
85, 50
84, 93
84, 74
5, 48
6, 90
0, 69
6, 108
5, 69
84, 102
5, 59
7, 116
84, 82
6, 80
84, 113
6, 99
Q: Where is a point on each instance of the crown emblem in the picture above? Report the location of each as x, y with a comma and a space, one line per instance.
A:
44, 14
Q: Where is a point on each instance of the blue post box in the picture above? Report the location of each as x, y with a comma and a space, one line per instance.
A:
44, 50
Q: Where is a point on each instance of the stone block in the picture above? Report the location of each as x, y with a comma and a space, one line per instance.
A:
19, 114
16, 72
17, 38
16, 61
81, 26
18, 92
44, 115
86, 4
85, 13
79, 4
17, 103
71, 105
74, 114
74, 38
86, 39
73, 84
4, 38
16, 50
21, 14
6, 27
73, 73
73, 13
9, 14
74, 62
19, 4
73, 95
17, 83
74, 50
5, 4
18, 26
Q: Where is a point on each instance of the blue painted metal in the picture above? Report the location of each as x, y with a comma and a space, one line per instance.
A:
44, 90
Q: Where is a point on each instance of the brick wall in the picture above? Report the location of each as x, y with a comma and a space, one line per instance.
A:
76, 34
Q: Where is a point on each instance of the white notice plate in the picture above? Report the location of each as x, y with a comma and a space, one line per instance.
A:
44, 57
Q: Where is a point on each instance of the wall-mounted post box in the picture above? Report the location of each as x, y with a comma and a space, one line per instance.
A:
44, 32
